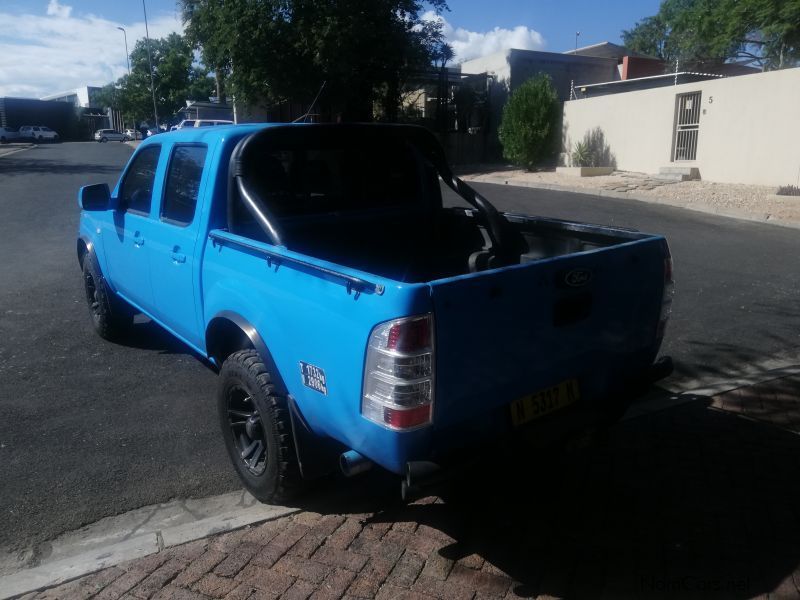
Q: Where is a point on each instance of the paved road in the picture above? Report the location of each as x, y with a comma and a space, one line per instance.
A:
87, 428
90, 429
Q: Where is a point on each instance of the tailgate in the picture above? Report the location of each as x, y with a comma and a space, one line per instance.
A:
504, 334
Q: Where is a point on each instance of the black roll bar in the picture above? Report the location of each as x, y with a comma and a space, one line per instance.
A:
501, 234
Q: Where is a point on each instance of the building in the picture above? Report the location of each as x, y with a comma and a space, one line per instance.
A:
16, 112
82, 97
509, 69
197, 109
727, 129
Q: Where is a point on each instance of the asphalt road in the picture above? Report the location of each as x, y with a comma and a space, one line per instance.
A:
90, 429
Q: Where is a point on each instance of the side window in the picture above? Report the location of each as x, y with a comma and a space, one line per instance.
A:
137, 189
183, 183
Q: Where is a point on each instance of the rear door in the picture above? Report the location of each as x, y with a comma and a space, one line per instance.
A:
126, 241
173, 264
583, 319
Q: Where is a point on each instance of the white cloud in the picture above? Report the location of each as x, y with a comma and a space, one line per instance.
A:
45, 54
472, 44
55, 9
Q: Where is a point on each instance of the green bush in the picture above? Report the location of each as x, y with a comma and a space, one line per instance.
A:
530, 122
582, 155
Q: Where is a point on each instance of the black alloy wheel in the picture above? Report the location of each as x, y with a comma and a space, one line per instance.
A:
247, 430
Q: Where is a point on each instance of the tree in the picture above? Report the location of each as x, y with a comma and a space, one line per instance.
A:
273, 51
530, 121
176, 79
710, 32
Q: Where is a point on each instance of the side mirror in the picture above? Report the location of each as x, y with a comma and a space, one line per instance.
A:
94, 197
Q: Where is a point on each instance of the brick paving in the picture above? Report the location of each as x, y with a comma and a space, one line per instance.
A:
693, 501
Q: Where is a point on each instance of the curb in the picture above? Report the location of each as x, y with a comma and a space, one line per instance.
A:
61, 571
665, 399
600, 193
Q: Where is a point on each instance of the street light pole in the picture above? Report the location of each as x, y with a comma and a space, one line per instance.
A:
150, 63
127, 56
577, 33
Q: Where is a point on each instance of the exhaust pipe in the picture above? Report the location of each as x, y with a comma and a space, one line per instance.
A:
352, 463
420, 475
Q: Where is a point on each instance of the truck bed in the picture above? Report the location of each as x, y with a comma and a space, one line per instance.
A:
413, 248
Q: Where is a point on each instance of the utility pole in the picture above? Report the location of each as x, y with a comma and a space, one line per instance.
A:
150, 63
577, 33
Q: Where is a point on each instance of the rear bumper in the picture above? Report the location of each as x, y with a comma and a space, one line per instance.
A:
419, 475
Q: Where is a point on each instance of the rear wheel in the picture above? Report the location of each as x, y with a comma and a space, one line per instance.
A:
257, 428
111, 319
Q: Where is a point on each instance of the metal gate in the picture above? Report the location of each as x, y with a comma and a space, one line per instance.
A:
687, 126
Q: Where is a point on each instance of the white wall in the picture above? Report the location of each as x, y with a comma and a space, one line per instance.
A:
749, 127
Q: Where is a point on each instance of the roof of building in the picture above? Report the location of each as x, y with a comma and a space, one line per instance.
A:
639, 83
608, 50
70, 92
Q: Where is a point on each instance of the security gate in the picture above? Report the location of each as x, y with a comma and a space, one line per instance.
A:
687, 126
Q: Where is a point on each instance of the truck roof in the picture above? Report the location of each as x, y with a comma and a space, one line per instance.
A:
210, 134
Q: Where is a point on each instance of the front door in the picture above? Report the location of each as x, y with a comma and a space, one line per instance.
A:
687, 126
173, 265
126, 240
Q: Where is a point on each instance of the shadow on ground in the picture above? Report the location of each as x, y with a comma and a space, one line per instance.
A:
20, 165
690, 501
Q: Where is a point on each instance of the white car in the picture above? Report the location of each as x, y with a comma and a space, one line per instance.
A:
110, 135
182, 124
39, 133
133, 134
211, 122
8, 134
200, 123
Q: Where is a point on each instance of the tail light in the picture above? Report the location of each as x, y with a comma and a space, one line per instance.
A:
669, 292
398, 374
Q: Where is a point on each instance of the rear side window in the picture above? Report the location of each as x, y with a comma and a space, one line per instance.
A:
183, 183
137, 189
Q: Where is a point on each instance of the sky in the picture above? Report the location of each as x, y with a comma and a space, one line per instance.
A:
50, 46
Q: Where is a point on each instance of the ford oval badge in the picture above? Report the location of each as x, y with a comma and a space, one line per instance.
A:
578, 277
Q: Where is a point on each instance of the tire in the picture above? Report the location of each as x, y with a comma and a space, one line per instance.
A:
103, 140
111, 319
257, 429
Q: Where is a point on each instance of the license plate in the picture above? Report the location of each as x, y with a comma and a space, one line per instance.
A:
544, 402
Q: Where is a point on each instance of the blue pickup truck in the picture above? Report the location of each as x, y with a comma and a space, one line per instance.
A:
354, 319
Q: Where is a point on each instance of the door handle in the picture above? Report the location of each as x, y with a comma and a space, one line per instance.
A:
138, 240
177, 257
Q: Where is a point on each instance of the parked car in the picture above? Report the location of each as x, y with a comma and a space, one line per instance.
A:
182, 124
38, 133
211, 122
110, 135
133, 134
354, 319
8, 134
200, 123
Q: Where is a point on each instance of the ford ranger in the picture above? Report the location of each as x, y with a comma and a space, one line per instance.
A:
352, 317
